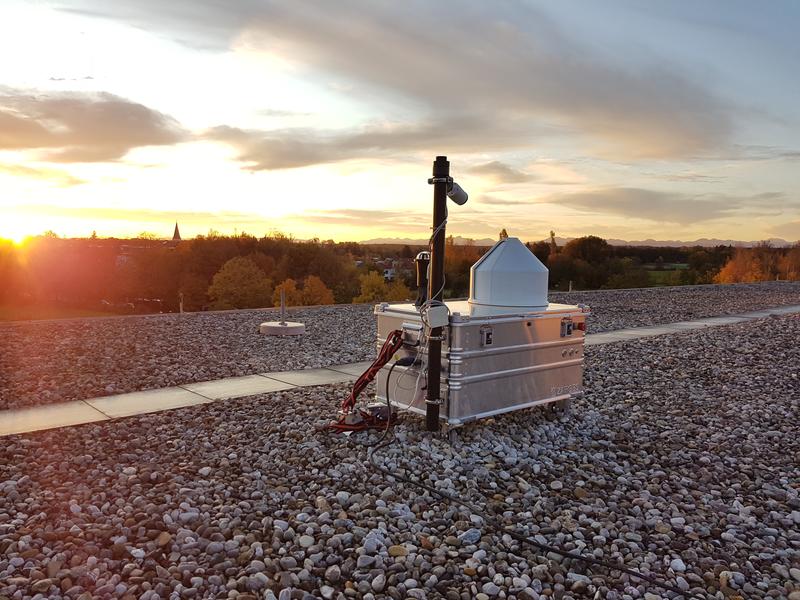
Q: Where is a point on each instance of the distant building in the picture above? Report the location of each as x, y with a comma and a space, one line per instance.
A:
176, 236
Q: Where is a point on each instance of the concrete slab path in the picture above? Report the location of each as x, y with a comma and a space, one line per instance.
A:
65, 414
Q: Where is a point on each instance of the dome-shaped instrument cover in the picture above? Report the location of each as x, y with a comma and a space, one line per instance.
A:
508, 278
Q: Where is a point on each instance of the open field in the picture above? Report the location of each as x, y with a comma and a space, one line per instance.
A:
56, 361
681, 460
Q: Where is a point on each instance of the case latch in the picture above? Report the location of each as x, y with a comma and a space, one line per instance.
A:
566, 326
487, 335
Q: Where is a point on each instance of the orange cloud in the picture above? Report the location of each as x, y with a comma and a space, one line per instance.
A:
54, 176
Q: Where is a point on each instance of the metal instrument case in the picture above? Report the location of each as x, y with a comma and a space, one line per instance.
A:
491, 363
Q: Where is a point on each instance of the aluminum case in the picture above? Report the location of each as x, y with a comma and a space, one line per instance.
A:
491, 364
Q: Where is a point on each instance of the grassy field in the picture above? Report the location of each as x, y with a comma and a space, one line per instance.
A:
668, 275
661, 277
26, 313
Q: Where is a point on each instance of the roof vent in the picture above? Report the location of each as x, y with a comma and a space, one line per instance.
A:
508, 279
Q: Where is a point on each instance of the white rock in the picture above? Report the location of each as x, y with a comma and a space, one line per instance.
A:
327, 592
677, 565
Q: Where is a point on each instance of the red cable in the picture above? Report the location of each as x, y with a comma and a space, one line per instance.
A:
394, 341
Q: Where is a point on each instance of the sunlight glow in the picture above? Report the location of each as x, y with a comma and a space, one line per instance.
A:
264, 88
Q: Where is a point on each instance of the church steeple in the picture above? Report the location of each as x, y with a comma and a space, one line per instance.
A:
176, 237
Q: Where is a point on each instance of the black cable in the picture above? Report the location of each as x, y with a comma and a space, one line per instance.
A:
388, 406
383, 443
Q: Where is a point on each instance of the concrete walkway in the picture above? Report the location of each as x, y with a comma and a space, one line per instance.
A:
64, 414
622, 335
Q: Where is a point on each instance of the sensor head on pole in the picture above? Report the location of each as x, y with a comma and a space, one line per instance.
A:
456, 193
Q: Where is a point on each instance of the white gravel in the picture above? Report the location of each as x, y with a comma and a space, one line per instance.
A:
642, 307
55, 361
681, 460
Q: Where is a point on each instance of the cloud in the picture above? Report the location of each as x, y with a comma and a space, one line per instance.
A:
495, 201
353, 217
142, 215
56, 176
687, 177
789, 231
750, 153
87, 78
278, 112
500, 172
669, 207
486, 62
81, 127
292, 148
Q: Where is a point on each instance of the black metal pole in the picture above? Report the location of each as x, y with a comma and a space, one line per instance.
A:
441, 172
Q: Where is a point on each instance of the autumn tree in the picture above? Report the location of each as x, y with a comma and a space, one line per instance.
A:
294, 297
737, 269
10, 271
398, 292
240, 283
759, 263
790, 264
316, 292
373, 288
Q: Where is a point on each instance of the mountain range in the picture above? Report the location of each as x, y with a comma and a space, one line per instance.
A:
705, 242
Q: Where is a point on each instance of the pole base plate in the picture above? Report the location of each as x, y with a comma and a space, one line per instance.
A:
285, 328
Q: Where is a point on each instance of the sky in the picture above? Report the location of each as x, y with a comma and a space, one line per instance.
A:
624, 119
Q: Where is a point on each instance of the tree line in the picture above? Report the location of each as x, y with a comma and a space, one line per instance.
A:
207, 272
243, 271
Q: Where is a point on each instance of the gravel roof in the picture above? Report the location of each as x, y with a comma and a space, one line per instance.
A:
640, 307
681, 460
55, 361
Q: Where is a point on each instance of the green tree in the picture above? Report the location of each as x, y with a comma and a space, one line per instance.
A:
345, 288
629, 274
264, 262
240, 283
294, 297
594, 250
316, 292
540, 249
373, 288
194, 288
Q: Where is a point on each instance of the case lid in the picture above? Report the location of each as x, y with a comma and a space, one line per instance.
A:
507, 277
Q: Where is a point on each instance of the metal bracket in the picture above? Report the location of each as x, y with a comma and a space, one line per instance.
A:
412, 332
432, 180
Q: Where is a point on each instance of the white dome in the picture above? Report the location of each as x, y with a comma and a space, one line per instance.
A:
508, 278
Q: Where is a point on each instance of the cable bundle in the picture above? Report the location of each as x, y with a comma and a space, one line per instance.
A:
352, 421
